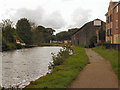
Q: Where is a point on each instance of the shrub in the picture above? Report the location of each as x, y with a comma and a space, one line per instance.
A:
59, 58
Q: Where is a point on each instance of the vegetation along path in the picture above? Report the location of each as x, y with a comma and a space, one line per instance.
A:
97, 73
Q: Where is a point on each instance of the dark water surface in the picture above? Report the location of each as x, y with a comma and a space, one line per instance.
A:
19, 67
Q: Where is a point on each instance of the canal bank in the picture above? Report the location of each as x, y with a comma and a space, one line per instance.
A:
62, 75
31, 46
17, 47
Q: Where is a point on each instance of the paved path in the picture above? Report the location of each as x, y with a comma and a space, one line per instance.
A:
97, 74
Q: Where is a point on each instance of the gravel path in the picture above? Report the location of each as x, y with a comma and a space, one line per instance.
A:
97, 74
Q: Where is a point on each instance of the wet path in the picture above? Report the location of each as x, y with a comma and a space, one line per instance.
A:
97, 74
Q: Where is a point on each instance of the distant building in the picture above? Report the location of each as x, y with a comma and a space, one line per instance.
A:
95, 27
113, 23
23, 44
67, 41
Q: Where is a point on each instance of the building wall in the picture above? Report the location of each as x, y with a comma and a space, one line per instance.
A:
115, 31
115, 19
109, 23
112, 33
119, 22
82, 36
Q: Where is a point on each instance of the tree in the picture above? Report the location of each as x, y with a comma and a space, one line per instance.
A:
23, 28
9, 35
8, 31
66, 35
37, 37
50, 31
7, 22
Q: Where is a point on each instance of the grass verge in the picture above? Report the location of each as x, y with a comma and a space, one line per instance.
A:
63, 75
110, 55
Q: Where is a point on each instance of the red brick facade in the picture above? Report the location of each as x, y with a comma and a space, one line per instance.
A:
119, 17
113, 23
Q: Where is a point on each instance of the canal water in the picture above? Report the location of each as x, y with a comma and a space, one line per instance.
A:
19, 67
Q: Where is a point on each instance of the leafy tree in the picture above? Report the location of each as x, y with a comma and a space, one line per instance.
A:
71, 31
23, 28
66, 35
7, 22
43, 35
7, 32
37, 37
9, 35
50, 31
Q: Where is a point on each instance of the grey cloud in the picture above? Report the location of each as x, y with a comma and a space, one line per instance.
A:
55, 20
32, 15
40, 17
80, 17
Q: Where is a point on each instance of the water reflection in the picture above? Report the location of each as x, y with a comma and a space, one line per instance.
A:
22, 66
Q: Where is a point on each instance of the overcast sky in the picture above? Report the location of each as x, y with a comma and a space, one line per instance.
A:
57, 14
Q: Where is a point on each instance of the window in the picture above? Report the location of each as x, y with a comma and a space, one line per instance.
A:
111, 40
110, 32
116, 24
111, 18
97, 23
111, 25
108, 26
108, 19
116, 39
117, 9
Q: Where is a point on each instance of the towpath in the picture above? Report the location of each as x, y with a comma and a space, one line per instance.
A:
97, 74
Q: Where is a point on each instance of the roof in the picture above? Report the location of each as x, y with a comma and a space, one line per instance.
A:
116, 4
85, 25
80, 28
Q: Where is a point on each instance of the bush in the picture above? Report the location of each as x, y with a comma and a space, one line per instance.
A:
63, 75
18, 46
59, 58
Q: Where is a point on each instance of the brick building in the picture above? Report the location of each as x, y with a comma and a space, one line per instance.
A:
113, 23
95, 27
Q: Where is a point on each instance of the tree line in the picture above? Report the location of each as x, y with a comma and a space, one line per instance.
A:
25, 32
29, 33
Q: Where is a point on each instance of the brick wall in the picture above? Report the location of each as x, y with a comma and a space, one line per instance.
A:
119, 18
119, 22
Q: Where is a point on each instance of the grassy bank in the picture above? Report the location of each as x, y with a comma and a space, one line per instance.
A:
63, 75
111, 55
